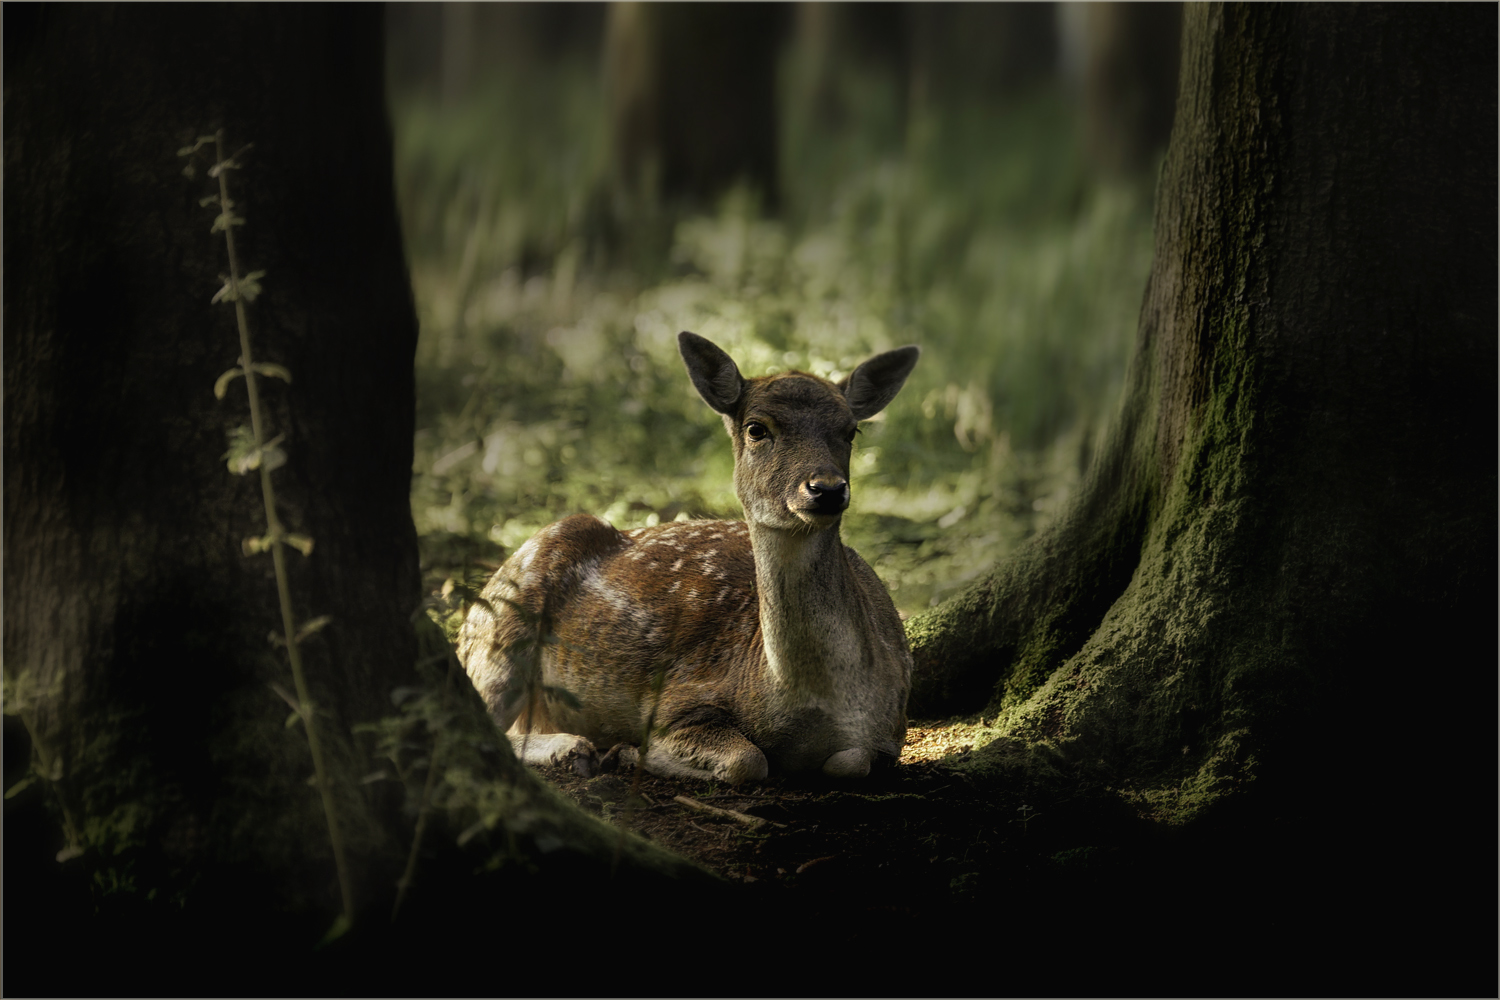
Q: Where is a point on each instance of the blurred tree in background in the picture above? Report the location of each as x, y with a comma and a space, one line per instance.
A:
691, 92
1126, 70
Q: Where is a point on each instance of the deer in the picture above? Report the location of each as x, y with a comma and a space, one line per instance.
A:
732, 647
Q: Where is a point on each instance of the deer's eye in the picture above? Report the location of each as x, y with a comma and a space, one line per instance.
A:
850, 436
756, 431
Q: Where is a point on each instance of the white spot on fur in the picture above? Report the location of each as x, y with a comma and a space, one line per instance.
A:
524, 555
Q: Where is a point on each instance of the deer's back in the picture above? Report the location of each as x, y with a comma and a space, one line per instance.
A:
615, 608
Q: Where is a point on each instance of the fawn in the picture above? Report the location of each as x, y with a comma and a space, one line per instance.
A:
751, 644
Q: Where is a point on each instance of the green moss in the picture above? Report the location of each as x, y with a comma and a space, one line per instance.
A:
1229, 769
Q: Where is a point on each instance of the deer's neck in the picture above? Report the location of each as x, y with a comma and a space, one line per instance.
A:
809, 606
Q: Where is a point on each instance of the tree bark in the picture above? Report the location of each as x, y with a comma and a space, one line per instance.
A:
135, 634
1294, 515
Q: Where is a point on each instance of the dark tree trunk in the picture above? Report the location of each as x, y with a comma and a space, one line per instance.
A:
135, 636
830, 38
1292, 530
692, 98
1129, 56
979, 51
486, 38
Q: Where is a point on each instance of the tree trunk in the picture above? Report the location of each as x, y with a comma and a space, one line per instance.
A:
831, 38
979, 51
1129, 55
135, 634
1293, 522
692, 99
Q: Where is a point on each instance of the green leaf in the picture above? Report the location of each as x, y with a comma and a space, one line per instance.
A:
470, 833
293, 719
68, 853
301, 543
221, 387
250, 287
242, 455
255, 546
225, 294
246, 463
272, 371
190, 171
19, 787
187, 151
208, 200
230, 163
313, 625
224, 220
285, 695
339, 929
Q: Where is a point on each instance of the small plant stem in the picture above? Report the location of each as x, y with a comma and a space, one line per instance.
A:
416, 838
278, 555
433, 767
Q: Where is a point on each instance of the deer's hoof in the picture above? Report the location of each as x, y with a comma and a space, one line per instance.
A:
749, 766
620, 755
585, 764
851, 763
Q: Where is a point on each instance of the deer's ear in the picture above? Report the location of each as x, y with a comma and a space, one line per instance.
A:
714, 373
871, 386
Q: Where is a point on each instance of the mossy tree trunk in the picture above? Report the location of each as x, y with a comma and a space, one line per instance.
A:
135, 637
1290, 537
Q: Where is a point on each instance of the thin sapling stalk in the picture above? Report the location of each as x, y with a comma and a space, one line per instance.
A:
253, 451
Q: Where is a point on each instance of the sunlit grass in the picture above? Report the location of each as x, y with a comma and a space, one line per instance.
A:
548, 375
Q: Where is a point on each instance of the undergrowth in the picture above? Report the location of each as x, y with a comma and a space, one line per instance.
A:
548, 377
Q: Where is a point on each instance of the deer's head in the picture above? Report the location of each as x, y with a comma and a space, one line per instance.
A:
793, 432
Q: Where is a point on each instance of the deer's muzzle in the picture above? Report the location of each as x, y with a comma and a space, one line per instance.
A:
829, 495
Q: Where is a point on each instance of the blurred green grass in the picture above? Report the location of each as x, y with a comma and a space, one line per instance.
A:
547, 373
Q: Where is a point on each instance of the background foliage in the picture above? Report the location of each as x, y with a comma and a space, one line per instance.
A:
548, 377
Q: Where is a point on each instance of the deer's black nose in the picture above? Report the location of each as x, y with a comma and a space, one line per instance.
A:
830, 495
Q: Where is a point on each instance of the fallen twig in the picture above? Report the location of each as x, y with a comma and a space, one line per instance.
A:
738, 817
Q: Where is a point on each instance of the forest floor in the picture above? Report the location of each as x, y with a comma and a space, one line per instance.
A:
936, 877
907, 837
